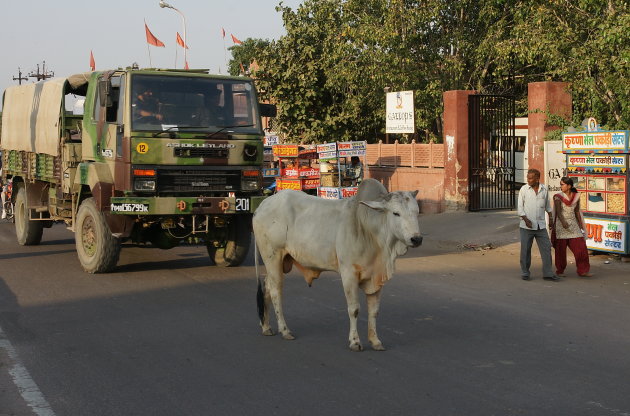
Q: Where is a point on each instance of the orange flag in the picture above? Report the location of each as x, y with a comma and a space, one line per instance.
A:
151, 39
235, 40
180, 41
92, 62
223, 33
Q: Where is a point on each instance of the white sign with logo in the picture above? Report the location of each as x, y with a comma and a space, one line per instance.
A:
399, 112
606, 235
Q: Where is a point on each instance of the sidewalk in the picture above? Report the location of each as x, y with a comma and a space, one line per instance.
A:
463, 231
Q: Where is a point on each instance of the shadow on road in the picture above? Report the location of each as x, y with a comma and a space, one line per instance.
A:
10, 256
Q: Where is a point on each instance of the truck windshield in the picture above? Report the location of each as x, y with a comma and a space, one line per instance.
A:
170, 103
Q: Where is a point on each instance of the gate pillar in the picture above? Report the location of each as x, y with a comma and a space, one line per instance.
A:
456, 149
542, 97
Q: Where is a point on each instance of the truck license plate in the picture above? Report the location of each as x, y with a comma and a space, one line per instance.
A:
125, 207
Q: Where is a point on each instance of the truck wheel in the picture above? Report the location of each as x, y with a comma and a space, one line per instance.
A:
236, 246
28, 232
97, 248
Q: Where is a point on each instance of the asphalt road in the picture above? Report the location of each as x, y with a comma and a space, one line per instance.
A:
169, 334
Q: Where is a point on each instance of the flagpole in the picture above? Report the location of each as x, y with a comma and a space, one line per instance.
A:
149, 50
224, 55
175, 55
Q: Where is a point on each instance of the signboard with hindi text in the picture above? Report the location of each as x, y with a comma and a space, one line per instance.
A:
285, 150
595, 141
600, 162
606, 235
328, 192
348, 149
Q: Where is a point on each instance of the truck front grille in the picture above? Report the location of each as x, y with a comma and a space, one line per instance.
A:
197, 152
195, 181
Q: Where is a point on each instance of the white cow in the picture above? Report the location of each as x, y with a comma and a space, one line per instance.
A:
358, 237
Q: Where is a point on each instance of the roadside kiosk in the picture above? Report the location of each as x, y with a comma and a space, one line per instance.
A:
296, 167
597, 160
334, 164
270, 170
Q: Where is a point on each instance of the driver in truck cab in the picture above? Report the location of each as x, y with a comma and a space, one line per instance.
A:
145, 105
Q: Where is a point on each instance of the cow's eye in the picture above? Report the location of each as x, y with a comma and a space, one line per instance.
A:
396, 214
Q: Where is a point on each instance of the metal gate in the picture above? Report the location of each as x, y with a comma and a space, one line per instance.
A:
491, 146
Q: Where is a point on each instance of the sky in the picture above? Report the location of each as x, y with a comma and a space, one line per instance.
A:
63, 32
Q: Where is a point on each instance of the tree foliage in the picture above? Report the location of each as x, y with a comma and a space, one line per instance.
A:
328, 73
244, 55
586, 43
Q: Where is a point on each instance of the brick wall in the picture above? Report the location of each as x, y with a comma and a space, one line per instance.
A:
410, 167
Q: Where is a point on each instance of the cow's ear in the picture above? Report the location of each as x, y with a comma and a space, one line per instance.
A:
379, 206
414, 193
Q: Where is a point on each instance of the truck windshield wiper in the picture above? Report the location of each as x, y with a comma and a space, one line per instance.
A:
171, 129
209, 136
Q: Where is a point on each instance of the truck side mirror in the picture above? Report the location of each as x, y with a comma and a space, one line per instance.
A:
267, 110
104, 92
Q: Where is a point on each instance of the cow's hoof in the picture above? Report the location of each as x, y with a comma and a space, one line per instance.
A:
356, 347
268, 332
288, 336
378, 347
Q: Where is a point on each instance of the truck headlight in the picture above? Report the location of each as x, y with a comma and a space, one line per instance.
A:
144, 185
251, 180
250, 184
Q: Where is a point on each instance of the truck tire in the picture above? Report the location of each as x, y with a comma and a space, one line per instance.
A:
98, 250
236, 246
27, 231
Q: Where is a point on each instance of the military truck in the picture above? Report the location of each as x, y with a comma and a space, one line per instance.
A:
155, 156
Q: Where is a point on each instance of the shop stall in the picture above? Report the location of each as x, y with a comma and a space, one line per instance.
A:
597, 160
270, 169
336, 176
298, 170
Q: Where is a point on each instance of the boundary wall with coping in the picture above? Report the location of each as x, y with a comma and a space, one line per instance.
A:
440, 171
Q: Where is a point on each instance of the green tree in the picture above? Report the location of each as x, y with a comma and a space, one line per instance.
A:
328, 73
585, 43
245, 54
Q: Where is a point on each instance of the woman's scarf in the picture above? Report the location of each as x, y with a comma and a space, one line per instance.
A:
575, 198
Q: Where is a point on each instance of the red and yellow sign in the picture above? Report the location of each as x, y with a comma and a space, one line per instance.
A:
285, 150
288, 184
310, 183
307, 172
297, 184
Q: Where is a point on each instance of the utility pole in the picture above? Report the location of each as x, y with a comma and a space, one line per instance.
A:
41, 75
20, 78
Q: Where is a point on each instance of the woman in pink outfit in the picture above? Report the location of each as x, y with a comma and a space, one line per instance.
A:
568, 225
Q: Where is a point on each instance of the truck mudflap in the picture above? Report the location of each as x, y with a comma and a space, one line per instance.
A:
184, 205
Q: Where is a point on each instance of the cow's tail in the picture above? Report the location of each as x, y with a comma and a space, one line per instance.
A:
260, 293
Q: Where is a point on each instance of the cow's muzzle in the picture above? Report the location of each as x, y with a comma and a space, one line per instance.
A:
416, 241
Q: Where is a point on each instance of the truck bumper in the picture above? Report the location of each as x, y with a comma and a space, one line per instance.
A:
184, 205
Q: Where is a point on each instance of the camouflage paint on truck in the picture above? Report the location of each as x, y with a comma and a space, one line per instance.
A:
158, 156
